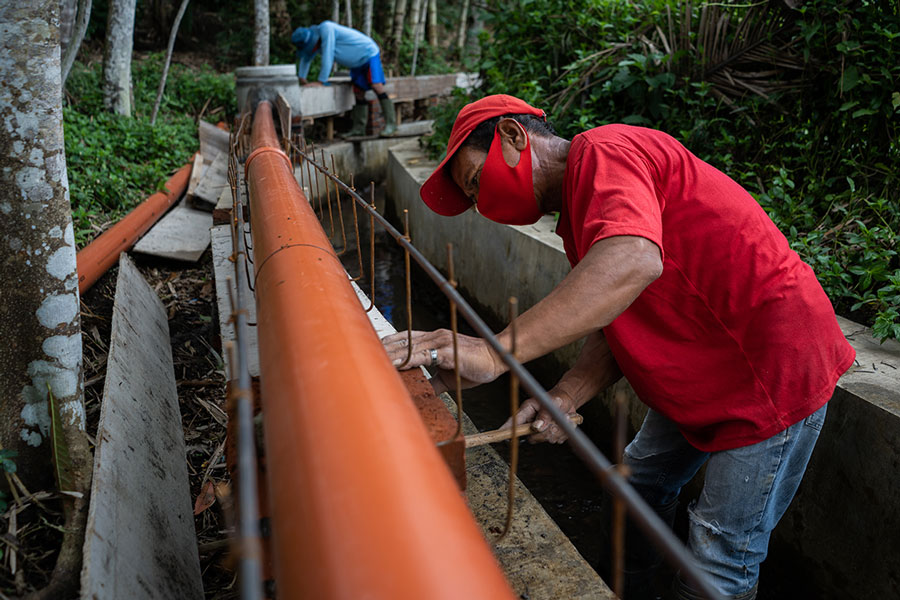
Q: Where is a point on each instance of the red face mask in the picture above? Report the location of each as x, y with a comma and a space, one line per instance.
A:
506, 194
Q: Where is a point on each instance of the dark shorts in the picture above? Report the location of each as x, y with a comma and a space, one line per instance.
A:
363, 77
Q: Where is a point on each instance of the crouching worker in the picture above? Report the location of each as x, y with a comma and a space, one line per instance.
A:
351, 49
681, 283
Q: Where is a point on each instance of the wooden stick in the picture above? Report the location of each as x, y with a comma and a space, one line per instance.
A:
498, 435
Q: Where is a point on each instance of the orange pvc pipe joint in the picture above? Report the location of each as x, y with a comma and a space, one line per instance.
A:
96, 258
362, 504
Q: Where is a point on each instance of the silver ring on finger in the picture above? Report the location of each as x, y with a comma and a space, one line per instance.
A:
434, 357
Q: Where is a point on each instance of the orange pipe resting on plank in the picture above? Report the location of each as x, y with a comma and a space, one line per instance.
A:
362, 504
96, 258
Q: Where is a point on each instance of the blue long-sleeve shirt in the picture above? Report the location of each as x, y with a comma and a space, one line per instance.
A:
347, 46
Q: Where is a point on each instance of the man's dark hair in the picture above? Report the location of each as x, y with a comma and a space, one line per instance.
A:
482, 136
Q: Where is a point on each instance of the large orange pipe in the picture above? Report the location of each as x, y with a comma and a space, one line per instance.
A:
362, 504
96, 258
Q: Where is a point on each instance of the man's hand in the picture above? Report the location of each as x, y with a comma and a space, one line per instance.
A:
478, 363
314, 84
548, 430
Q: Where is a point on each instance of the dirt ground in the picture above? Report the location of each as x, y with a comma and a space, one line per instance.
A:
188, 294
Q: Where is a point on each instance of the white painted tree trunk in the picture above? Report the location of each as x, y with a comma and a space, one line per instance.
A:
67, 9
261, 27
463, 26
432, 24
84, 16
39, 311
399, 18
367, 17
117, 57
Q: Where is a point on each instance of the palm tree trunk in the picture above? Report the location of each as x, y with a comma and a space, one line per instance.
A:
463, 25
261, 29
367, 17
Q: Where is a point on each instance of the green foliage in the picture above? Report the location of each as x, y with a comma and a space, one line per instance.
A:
823, 162
114, 162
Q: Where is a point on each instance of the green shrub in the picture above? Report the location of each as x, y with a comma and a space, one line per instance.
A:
114, 162
817, 146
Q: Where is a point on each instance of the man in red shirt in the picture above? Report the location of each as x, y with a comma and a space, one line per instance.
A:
681, 283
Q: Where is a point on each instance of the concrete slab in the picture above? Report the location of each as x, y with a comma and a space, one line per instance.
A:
213, 141
140, 540
223, 269
182, 234
841, 530
213, 181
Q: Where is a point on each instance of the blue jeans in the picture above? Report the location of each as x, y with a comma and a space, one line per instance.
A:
745, 493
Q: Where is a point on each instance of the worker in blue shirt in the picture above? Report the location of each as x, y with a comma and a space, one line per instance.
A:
354, 50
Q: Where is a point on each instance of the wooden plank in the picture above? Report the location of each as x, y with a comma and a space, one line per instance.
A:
213, 141
196, 173
182, 234
223, 268
140, 541
214, 180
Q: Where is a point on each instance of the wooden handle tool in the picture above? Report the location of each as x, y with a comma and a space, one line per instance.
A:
498, 435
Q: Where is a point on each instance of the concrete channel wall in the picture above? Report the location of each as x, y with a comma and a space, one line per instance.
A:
842, 533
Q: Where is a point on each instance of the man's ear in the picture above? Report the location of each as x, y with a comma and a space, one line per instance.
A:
512, 133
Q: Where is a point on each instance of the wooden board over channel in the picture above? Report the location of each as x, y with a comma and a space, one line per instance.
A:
140, 541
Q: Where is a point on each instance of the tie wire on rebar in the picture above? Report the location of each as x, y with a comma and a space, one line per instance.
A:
607, 473
240, 397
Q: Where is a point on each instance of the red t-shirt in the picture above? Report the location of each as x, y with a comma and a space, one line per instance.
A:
736, 340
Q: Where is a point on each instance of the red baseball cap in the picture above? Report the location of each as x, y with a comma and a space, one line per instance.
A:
439, 191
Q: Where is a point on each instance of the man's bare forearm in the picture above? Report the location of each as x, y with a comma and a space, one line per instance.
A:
607, 280
594, 371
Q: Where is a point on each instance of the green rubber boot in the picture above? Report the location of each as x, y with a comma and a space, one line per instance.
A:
360, 118
390, 117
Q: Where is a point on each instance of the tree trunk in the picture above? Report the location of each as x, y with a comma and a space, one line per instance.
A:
367, 17
165, 71
348, 10
84, 17
336, 11
432, 24
39, 304
399, 18
261, 39
463, 26
117, 57
67, 9
414, 16
418, 32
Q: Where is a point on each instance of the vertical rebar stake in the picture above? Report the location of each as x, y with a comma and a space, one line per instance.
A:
337, 193
513, 408
356, 232
327, 193
309, 178
408, 291
618, 508
451, 280
372, 248
321, 213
